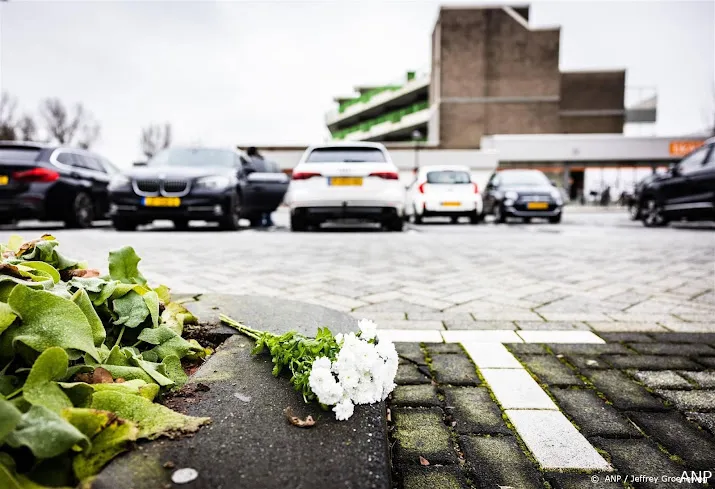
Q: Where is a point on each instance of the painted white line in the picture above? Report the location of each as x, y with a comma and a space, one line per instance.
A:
554, 441
537, 336
516, 389
490, 355
486, 336
411, 335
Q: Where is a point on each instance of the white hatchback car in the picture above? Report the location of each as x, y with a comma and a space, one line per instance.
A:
444, 190
345, 181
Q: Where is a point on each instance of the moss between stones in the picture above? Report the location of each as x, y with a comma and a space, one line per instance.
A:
431, 480
422, 432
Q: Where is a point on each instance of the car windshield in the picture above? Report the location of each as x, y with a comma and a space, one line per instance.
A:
346, 155
524, 179
194, 157
448, 177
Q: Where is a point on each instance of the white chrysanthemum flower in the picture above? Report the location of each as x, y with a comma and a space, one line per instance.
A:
324, 386
344, 409
349, 378
339, 338
321, 363
368, 329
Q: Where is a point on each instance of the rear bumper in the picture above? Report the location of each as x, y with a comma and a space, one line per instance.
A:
521, 211
25, 208
363, 213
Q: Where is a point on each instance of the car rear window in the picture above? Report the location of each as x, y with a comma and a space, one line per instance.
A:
346, 155
19, 154
448, 176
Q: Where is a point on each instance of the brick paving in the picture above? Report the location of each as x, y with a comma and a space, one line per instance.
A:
649, 423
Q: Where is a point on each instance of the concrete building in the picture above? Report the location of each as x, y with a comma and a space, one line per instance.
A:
491, 74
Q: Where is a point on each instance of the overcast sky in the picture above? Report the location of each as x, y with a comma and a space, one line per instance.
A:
265, 72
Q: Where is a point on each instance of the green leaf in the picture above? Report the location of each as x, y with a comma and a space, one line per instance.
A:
174, 370
14, 243
41, 388
6, 316
123, 266
153, 420
127, 373
167, 342
152, 303
9, 418
85, 304
43, 249
119, 356
90, 284
164, 293
114, 439
45, 433
105, 294
131, 309
80, 393
88, 421
44, 267
49, 320
136, 386
175, 316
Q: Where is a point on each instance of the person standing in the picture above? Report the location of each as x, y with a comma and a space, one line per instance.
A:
260, 164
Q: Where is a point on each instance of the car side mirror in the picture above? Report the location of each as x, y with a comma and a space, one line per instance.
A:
139, 163
674, 170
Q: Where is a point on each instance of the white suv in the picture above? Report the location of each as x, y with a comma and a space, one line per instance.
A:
345, 181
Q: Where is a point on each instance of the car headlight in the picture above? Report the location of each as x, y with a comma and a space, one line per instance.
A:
118, 181
511, 195
213, 182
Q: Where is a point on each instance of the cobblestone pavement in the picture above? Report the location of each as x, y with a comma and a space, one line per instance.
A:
595, 271
645, 401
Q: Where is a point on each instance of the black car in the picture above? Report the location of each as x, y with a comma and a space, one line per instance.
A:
53, 183
209, 184
524, 194
686, 192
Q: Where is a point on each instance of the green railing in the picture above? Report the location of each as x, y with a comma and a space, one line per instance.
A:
365, 97
393, 116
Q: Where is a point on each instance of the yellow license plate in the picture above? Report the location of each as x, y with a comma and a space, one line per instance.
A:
451, 204
162, 201
537, 206
4, 179
346, 181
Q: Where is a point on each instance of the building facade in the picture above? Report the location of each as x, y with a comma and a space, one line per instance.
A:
491, 73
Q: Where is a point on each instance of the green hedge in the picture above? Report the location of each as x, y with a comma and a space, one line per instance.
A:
394, 116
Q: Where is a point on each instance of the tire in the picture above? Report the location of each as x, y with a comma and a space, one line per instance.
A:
527, 220
555, 219
181, 224
476, 218
256, 222
124, 224
394, 224
454, 220
652, 214
297, 224
231, 222
634, 211
81, 212
499, 216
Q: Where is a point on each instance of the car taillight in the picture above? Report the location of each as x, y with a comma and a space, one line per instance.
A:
36, 175
421, 188
476, 188
301, 175
387, 175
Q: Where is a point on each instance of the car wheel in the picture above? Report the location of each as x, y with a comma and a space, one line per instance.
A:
555, 219
231, 222
652, 214
416, 218
256, 222
634, 210
81, 214
297, 224
499, 216
454, 220
527, 220
394, 224
476, 218
124, 225
181, 224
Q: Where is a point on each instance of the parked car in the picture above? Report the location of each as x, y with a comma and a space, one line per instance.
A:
686, 192
181, 184
634, 200
445, 191
340, 181
522, 193
53, 183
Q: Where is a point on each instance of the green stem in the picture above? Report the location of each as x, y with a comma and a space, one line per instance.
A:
119, 338
13, 394
253, 333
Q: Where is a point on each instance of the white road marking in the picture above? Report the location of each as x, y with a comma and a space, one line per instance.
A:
514, 388
486, 336
559, 337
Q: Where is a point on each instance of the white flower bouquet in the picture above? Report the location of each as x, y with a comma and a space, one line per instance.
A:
338, 371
